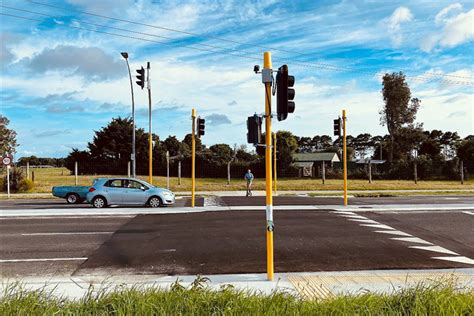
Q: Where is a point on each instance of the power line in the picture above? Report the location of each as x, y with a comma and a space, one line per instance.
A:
338, 68
301, 64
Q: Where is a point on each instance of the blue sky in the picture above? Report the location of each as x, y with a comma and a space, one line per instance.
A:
60, 82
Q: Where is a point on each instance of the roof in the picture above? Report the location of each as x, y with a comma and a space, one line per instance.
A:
316, 157
372, 161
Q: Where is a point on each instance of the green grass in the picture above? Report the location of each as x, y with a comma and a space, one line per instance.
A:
45, 179
442, 298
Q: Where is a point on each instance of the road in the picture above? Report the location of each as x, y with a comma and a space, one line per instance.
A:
260, 201
215, 242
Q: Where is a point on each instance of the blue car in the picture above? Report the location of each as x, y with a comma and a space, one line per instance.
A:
127, 191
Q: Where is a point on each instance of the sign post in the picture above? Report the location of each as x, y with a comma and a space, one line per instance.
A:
6, 161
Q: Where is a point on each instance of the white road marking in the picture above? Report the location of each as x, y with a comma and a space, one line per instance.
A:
65, 217
435, 249
367, 221
67, 233
469, 213
412, 239
382, 226
345, 213
353, 216
42, 260
393, 232
460, 259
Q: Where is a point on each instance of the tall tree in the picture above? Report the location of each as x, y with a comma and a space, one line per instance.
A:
286, 148
399, 109
8, 142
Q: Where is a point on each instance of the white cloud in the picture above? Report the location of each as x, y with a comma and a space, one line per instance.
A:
394, 22
457, 29
444, 15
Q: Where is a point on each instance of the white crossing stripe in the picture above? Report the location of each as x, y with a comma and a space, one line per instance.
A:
412, 239
435, 249
460, 259
382, 226
393, 232
469, 213
67, 233
42, 260
367, 221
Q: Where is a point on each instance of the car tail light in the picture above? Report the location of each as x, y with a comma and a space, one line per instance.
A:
92, 189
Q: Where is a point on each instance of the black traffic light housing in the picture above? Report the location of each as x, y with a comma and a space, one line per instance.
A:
337, 127
254, 129
201, 125
285, 93
141, 77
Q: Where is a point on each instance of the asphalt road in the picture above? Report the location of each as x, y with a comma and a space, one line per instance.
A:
260, 201
234, 242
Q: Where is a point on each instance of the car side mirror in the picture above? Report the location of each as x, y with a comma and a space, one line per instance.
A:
143, 188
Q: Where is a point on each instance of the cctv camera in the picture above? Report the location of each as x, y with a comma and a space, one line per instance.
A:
256, 68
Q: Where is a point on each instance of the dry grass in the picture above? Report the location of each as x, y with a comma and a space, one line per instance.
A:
45, 179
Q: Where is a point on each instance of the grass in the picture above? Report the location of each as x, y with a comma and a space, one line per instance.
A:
441, 298
45, 179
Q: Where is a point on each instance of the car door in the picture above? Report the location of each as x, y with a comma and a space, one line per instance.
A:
114, 191
134, 192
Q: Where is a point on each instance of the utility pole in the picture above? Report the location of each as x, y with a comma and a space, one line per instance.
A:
193, 157
275, 160
150, 140
461, 170
344, 154
168, 170
267, 67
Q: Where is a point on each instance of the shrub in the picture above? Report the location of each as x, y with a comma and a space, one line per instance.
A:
26, 185
16, 176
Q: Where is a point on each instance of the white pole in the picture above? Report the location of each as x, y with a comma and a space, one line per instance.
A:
75, 172
179, 172
8, 181
28, 170
168, 170
228, 173
128, 169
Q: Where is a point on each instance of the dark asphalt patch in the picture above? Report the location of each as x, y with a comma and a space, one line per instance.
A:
234, 242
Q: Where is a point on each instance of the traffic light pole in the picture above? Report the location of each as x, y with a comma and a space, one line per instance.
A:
344, 154
193, 158
150, 138
267, 64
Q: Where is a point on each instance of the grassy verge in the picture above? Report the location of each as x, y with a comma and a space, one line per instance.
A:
438, 299
45, 179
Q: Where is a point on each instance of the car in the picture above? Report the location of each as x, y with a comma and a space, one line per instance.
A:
72, 194
128, 191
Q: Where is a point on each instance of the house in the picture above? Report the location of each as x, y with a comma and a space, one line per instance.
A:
310, 164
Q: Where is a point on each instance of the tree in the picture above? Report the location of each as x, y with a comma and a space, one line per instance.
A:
362, 143
8, 142
400, 108
286, 148
465, 151
221, 153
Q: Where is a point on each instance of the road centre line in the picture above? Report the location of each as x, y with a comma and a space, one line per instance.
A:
67, 233
42, 260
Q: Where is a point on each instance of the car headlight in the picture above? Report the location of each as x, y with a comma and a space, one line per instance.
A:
167, 193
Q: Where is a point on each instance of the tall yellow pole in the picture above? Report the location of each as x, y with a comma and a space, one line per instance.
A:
344, 154
275, 161
267, 64
193, 158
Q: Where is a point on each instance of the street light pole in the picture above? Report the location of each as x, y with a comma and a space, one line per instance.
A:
134, 166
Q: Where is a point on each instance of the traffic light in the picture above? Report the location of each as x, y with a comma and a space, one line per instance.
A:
141, 77
285, 94
337, 127
201, 125
254, 129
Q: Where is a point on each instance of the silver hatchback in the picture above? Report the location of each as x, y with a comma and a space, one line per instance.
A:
127, 191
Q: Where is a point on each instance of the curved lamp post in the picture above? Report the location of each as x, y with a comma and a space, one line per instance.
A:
134, 174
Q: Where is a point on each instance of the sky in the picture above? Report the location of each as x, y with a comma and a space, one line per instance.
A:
62, 75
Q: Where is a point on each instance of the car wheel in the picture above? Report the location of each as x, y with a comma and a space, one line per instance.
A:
99, 202
72, 198
154, 201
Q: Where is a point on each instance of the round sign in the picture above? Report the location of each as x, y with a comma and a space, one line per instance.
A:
7, 160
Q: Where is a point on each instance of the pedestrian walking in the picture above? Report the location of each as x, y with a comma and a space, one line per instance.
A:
249, 178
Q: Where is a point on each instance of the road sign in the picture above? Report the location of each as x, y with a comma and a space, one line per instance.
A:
7, 160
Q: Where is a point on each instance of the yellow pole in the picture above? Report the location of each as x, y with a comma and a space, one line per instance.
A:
344, 155
267, 64
193, 158
274, 163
